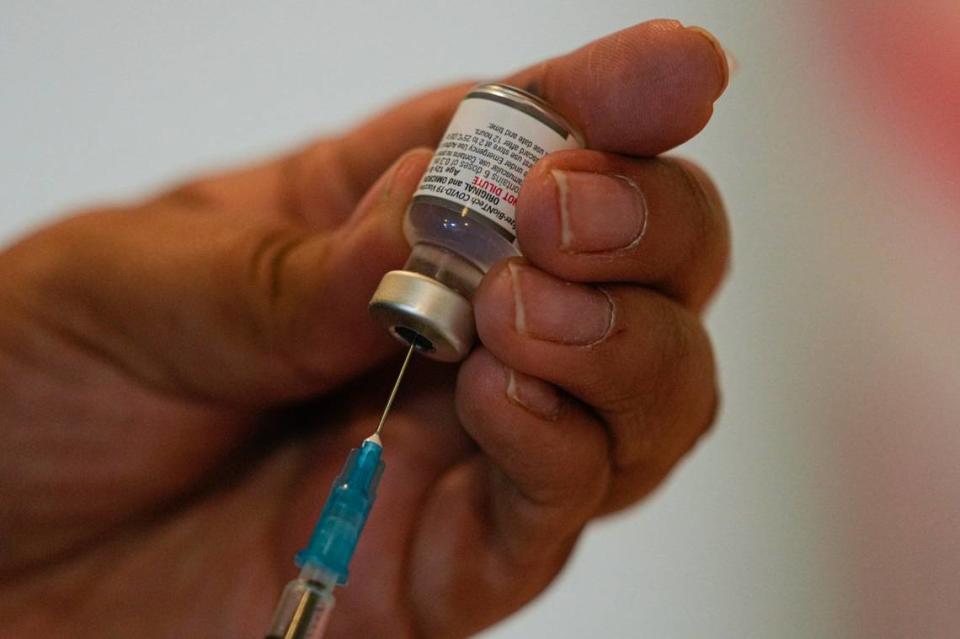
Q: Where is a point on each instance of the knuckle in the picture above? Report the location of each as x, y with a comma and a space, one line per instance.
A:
711, 412
654, 340
263, 255
646, 397
708, 247
308, 179
701, 222
631, 484
198, 194
648, 451
55, 258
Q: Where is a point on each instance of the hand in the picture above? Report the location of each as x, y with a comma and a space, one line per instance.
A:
180, 380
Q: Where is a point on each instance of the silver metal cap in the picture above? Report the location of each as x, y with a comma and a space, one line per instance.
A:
419, 309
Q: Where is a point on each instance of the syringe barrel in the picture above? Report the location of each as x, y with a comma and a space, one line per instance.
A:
304, 608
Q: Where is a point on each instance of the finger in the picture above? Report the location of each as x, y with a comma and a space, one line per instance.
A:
550, 493
640, 91
225, 309
498, 527
589, 216
641, 361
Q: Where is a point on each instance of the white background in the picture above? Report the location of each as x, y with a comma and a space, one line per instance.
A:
826, 503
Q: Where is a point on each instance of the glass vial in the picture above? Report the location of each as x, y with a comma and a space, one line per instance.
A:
461, 220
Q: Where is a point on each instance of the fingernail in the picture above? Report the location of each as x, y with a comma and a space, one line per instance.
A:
599, 213
534, 395
555, 311
724, 59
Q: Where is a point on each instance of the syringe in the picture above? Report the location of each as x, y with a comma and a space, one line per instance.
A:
305, 605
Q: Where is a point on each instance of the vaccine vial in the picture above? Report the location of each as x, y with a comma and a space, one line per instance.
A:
461, 220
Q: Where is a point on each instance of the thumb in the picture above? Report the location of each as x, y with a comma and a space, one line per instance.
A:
215, 307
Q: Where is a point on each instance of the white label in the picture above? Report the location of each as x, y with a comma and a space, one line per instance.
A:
484, 155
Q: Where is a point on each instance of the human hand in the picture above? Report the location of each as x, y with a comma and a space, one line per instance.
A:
181, 379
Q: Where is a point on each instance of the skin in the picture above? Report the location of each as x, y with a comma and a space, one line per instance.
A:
181, 378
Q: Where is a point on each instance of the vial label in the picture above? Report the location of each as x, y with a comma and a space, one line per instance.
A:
484, 155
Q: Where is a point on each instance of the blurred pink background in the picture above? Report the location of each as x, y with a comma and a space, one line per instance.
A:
902, 61
899, 413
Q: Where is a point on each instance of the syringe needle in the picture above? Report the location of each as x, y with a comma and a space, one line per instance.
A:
307, 601
393, 393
